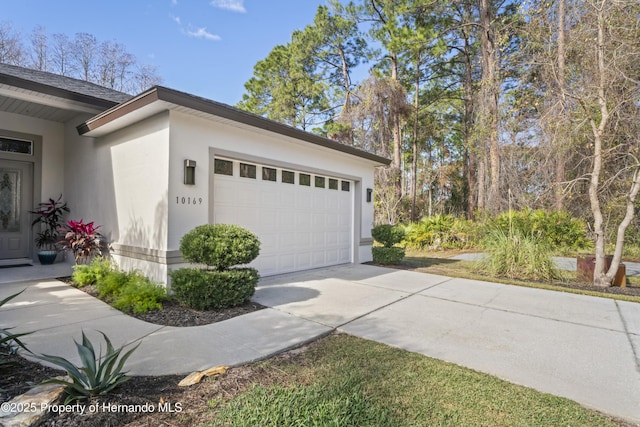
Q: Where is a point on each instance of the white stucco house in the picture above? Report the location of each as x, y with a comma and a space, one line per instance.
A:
151, 167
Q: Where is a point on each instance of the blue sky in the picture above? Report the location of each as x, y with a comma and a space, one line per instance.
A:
204, 47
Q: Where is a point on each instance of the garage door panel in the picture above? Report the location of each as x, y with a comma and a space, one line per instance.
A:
268, 242
286, 240
343, 255
303, 261
303, 220
268, 219
303, 240
319, 202
300, 227
286, 262
319, 239
332, 238
332, 256
318, 220
303, 199
318, 258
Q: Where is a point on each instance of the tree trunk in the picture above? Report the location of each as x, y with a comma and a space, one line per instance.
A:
397, 136
414, 161
600, 277
470, 151
559, 145
489, 100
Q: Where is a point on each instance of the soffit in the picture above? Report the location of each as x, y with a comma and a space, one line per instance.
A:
42, 106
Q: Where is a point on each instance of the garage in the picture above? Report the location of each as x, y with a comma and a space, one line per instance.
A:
303, 219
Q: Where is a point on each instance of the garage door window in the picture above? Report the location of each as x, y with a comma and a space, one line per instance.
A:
319, 181
333, 184
305, 179
288, 177
247, 171
345, 186
268, 174
223, 167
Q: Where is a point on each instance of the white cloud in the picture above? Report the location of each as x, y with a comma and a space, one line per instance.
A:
202, 33
232, 5
174, 2
176, 19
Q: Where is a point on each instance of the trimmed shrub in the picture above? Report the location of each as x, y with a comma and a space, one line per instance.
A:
388, 235
383, 255
89, 274
220, 246
208, 289
518, 256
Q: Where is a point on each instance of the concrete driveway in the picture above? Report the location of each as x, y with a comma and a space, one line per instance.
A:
580, 347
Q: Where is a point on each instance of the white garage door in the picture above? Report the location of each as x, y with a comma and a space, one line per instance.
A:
303, 220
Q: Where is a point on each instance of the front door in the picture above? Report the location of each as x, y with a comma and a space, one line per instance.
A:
16, 198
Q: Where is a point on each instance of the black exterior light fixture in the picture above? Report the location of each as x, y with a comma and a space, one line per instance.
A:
369, 194
189, 172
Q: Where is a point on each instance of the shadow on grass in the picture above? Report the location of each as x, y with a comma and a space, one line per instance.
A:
426, 262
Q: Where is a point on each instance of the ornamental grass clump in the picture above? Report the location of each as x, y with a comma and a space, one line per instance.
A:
219, 247
517, 255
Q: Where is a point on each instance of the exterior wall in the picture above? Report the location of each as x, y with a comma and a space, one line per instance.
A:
120, 182
196, 138
47, 158
132, 183
52, 171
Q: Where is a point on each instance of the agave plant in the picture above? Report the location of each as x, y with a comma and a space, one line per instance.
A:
9, 341
97, 376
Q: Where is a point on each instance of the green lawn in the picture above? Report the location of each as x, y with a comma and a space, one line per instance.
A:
347, 381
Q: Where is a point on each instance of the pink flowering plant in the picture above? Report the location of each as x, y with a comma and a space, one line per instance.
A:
83, 240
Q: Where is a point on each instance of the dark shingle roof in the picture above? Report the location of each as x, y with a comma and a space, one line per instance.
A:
57, 85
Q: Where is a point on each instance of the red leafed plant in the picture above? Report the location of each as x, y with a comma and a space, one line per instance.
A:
83, 240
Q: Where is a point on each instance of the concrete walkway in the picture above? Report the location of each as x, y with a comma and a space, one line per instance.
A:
580, 347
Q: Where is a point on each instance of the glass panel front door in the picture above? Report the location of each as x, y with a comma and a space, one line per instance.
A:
16, 181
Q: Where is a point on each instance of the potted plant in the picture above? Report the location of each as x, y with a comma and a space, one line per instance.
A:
48, 216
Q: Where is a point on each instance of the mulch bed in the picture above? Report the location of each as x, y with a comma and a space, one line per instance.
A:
175, 314
173, 405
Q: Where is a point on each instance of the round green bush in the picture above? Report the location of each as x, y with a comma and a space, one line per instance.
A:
208, 289
220, 245
387, 234
382, 255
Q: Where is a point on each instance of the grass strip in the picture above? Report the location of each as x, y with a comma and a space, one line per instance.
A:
346, 381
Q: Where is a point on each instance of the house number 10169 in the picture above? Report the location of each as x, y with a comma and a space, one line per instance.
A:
188, 200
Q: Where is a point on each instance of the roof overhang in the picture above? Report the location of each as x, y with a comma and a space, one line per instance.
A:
159, 99
29, 90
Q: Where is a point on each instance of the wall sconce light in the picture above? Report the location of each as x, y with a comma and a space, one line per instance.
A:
369, 194
189, 172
